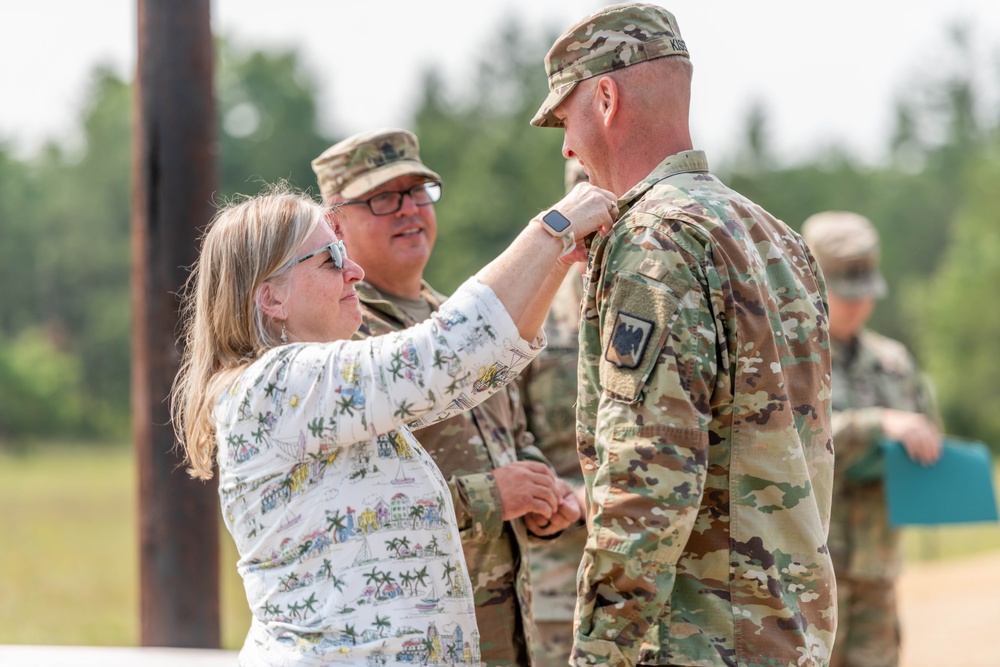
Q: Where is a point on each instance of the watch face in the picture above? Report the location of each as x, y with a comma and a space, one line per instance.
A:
556, 221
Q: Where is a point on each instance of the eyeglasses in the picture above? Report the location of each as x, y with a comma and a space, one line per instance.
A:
387, 203
338, 253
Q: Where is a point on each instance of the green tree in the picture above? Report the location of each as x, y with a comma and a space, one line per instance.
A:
18, 244
64, 224
911, 199
497, 170
957, 313
267, 119
39, 387
79, 249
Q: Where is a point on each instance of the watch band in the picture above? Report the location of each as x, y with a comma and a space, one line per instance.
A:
558, 225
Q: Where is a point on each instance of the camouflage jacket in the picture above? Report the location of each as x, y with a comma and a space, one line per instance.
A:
467, 448
870, 372
549, 387
704, 434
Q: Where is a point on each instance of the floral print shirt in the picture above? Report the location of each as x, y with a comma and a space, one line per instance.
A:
349, 547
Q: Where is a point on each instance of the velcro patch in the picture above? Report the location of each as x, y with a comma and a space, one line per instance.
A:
629, 338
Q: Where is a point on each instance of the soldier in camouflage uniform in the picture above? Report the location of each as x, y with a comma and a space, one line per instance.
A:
704, 408
549, 387
877, 392
500, 482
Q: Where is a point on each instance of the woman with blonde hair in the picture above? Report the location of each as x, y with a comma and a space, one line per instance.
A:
348, 544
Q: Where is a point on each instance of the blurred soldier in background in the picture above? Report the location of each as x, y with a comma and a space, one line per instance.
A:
548, 387
877, 393
499, 480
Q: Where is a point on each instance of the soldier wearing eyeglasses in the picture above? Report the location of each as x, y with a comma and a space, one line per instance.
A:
498, 479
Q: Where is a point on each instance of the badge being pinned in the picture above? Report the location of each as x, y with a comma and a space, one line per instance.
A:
628, 342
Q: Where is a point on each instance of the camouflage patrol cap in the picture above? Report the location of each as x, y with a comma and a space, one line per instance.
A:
613, 38
846, 246
361, 163
575, 174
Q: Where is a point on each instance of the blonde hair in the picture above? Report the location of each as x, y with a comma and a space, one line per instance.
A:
249, 241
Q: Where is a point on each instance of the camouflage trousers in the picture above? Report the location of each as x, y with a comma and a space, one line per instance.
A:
868, 632
554, 566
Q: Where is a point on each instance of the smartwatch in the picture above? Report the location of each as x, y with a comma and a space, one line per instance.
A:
558, 225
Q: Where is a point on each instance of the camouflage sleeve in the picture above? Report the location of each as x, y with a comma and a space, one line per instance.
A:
524, 440
477, 506
927, 399
657, 368
857, 431
476, 496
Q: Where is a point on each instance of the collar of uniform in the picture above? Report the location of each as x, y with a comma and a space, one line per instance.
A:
679, 163
370, 296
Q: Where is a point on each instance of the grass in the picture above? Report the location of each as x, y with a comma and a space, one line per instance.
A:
69, 569
946, 542
69, 559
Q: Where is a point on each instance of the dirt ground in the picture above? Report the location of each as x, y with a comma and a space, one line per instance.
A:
950, 612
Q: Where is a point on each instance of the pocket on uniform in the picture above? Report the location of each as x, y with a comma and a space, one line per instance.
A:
641, 312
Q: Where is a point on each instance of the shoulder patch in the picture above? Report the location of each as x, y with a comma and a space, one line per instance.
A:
629, 338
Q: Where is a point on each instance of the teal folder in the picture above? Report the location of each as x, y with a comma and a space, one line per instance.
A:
957, 489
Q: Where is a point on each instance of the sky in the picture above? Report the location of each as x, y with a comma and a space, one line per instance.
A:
826, 73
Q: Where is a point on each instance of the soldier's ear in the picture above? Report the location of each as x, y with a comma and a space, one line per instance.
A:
607, 99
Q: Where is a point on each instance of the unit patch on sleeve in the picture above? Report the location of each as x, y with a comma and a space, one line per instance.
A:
629, 337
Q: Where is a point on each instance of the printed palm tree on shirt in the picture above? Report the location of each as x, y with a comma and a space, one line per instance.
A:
236, 441
420, 576
326, 570
416, 513
294, 609
393, 544
288, 583
407, 579
432, 546
428, 644
347, 405
383, 624
316, 427
403, 410
449, 569
272, 609
304, 548
396, 366
388, 579
398, 544
335, 523
310, 603
378, 578
352, 633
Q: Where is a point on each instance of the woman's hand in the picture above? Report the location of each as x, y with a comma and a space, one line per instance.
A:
589, 209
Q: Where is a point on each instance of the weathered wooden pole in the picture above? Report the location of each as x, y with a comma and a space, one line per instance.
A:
173, 180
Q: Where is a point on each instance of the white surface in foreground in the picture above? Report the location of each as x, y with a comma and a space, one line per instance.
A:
113, 656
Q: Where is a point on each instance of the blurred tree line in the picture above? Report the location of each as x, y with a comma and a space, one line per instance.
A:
64, 216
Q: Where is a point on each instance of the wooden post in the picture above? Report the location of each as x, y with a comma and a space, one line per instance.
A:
173, 181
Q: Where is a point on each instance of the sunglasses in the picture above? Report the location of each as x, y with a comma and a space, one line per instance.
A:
338, 253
